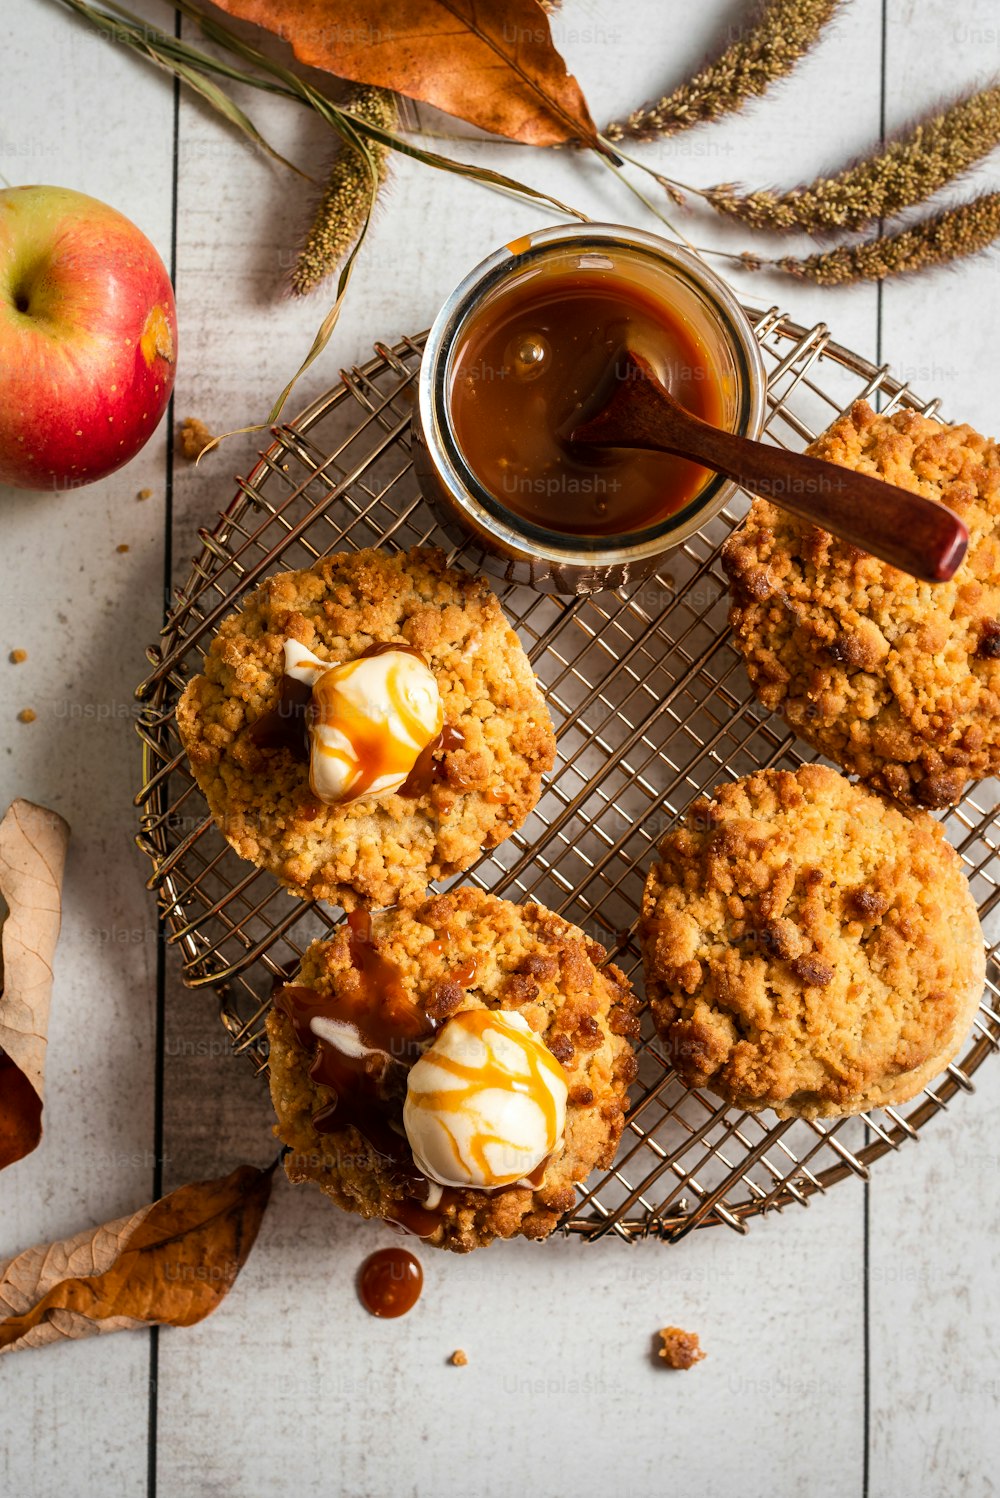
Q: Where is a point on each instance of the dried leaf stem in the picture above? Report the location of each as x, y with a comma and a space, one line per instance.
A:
780, 34
907, 171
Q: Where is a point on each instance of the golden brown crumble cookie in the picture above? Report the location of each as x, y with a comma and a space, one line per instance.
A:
526, 959
809, 946
369, 850
897, 680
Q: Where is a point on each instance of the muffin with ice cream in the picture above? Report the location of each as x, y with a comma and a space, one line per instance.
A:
455, 1066
367, 725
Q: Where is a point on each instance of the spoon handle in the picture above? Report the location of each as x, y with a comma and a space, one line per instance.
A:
904, 529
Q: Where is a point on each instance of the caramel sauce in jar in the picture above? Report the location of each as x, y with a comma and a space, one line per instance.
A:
390, 1282
526, 363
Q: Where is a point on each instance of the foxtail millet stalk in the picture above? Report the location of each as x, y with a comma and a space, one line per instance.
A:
779, 35
343, 208
951, 235
910, 169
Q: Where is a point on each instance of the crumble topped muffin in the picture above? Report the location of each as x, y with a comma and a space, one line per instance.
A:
810, 947
487, 771
423, 964
895, 679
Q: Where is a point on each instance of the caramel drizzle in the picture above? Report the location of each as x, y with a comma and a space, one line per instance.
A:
284, 726
465, 975
368, 1089
492, 1074
430, 763
389, 1008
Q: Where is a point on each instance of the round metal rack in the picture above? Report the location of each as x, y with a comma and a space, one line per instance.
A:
652, 708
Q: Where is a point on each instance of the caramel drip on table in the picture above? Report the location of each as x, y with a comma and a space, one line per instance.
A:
390, 1282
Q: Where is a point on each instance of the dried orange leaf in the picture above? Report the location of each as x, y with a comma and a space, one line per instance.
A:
33, 844
170, 1263
494, 65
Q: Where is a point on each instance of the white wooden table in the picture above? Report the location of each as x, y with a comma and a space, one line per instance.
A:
851, 1348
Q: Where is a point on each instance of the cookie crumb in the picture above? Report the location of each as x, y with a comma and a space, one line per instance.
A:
27, 715
680, 1349
144, 494
17, 656
458, 1358
193, 437
122, 547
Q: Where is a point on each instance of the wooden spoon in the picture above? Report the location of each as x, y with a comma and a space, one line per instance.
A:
633, 408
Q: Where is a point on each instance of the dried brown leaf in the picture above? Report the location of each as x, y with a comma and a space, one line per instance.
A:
169, 1263
33, 845
495, 66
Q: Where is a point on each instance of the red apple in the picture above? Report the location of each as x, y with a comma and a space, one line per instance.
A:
88, 338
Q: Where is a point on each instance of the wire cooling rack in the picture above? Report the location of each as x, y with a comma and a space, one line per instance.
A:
652, 708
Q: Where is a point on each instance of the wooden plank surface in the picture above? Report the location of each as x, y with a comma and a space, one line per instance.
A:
850, 1345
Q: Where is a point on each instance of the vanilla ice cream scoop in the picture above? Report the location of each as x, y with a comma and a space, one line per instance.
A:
369, 721
486, 1102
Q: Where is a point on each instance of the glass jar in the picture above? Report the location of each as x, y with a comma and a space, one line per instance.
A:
514, 547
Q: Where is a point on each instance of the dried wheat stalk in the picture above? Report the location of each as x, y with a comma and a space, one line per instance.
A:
951, 235
781, 32
908, 170
341, 212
